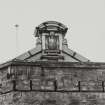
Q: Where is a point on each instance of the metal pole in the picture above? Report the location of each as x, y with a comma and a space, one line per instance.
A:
17, 43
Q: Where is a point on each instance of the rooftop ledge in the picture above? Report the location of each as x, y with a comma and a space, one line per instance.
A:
53, 64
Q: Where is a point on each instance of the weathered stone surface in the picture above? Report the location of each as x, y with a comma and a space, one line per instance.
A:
37, 85
23, 85
46, 98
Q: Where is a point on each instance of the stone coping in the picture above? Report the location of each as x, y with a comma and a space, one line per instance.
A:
55, 64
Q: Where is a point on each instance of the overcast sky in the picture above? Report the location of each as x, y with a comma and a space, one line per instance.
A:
84, 18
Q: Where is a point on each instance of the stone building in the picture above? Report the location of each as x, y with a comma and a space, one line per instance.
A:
51, 73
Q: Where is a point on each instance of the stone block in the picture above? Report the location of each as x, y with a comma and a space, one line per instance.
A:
6, 86
91, 86
23, 85
36, 84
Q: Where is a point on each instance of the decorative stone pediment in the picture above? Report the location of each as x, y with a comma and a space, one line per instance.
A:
51, 37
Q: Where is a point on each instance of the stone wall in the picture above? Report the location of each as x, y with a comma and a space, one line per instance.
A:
52, 98
66, 79
53, 84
